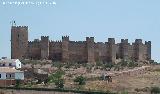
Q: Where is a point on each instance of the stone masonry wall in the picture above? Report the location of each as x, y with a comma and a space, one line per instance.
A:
76, 51
19, 41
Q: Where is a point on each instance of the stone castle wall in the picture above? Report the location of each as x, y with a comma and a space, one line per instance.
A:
55, 50
76, 51
34, 50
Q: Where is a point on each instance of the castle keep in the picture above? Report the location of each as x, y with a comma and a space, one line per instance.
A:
76, 51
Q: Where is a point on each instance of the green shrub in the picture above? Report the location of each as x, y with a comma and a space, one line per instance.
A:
56, 76
59, 65
29, 84
99, 63
108, 65
18, 82
124, 92
59, 83
84, 64
81, 80
123, 63
128, 63
155, 90
132, 64
69, 64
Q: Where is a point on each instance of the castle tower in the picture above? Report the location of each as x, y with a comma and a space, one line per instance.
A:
111, 50
90, 49
19, 42
138, 49
65, 52
124, 48
44, 47
148, 44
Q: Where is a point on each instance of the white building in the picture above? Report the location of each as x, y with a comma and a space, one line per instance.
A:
15, 63
7, 73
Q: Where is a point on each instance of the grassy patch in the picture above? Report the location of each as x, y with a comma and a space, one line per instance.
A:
155, 90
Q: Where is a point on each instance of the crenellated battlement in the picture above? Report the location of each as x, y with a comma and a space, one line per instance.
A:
77, 42
44, 37
111, 40
78, 51
90, 39
58, 41
125, 41
20, 26
51, 41
65, 38
100, 43
147, 42
55, 42
22, 29
30, 41
35, 41
138, 41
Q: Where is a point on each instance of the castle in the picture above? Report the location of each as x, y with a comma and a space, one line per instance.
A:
76, 51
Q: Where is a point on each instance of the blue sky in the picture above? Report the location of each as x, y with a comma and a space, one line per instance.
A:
81, 18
